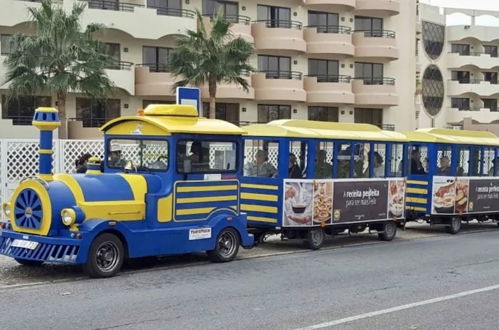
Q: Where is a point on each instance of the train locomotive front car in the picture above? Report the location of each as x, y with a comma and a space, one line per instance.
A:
168, 185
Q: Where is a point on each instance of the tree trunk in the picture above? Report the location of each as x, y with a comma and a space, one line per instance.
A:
61, 106
212, 88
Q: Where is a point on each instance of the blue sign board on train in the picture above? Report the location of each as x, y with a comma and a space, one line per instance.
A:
190, 96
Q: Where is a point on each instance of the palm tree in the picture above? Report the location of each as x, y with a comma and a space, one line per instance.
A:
211, 55
58, 58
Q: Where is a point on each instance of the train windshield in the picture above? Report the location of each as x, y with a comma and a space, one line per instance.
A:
138, 154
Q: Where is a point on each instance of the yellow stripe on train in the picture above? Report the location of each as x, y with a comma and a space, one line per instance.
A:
262, 219
206, 188
416, 200
258, 208
259, 186
259, 197
206, 199
418, 182
417, 191
415, 208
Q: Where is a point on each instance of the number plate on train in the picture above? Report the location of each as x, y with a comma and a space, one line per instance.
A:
24, 244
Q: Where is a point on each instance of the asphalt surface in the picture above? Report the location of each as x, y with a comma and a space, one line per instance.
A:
354, 282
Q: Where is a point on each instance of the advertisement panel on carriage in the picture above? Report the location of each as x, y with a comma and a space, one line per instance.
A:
464, 195
338, 201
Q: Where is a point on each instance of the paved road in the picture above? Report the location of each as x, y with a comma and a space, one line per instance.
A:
369, 285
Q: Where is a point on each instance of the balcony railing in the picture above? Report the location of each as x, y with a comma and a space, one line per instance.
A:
120, 65
156, 67
174, 11
331, 29
236, 19
331, 78
91, 122
376, 81
474, 54
112, 5
378, 33
474, 81
283, 75
274, 23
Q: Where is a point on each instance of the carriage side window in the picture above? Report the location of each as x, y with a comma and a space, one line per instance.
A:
444, 156
488, 161
476, 158
140, 154
324, 160
396, 160
379, 160
344, 157
419, 159
495, 170
196, 156
297, 163
464, 161
361, 160
261, 158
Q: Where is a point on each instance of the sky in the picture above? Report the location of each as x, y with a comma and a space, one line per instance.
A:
468, 4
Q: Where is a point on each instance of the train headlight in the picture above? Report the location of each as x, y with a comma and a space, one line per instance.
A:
68, 217
6, 209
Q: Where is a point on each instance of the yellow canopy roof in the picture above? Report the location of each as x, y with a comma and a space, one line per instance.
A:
323, 130
442, 135
168, 119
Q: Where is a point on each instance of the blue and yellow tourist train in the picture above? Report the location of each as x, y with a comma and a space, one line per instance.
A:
172, 182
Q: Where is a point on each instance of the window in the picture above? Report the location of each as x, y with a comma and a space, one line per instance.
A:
22, 109
379, 159
433, 39
491, 50
274, 16
7, 44
324, 70
373, 25
361, 160
224, 111
460, 103
275, 67
323, 113
138, 154
462, 76
488, 161
261, 158
156, 58
324, 160
229, 9
95, 113
396, 160
464, 160
369, 116
269, 112
166, 7
461, 49
145, 103
201, 156
297, 161
476, 158
490, 104
324, 22
433, 90
444, 158
342, 170
419, 159
371, 73
114, 53
491, 77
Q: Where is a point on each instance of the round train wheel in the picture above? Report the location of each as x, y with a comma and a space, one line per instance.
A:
226, 246
315, 238
455, 225
105, 257
389, 230
30, 263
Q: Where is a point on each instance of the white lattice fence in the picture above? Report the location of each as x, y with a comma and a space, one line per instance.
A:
71, 150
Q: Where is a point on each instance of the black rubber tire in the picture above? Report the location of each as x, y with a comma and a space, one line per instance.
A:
315, 238
226, 246
29, 263
388, 231
455, 225
112, 246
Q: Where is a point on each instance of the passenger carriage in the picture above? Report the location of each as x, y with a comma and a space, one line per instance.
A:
304, 179
169, 185
452, 177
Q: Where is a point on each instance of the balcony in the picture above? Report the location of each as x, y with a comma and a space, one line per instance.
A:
375, 92
330, 5
285, 37
153, 80
377, 7
329, 41
279, 86
240, 27
376, 44
122, 76
228, 92
85, 129
130, 17
329, 90
482, 115
476, 86
479, 60
477, 32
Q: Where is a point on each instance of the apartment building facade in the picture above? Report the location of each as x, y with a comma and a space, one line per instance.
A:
458, 67
334, 60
